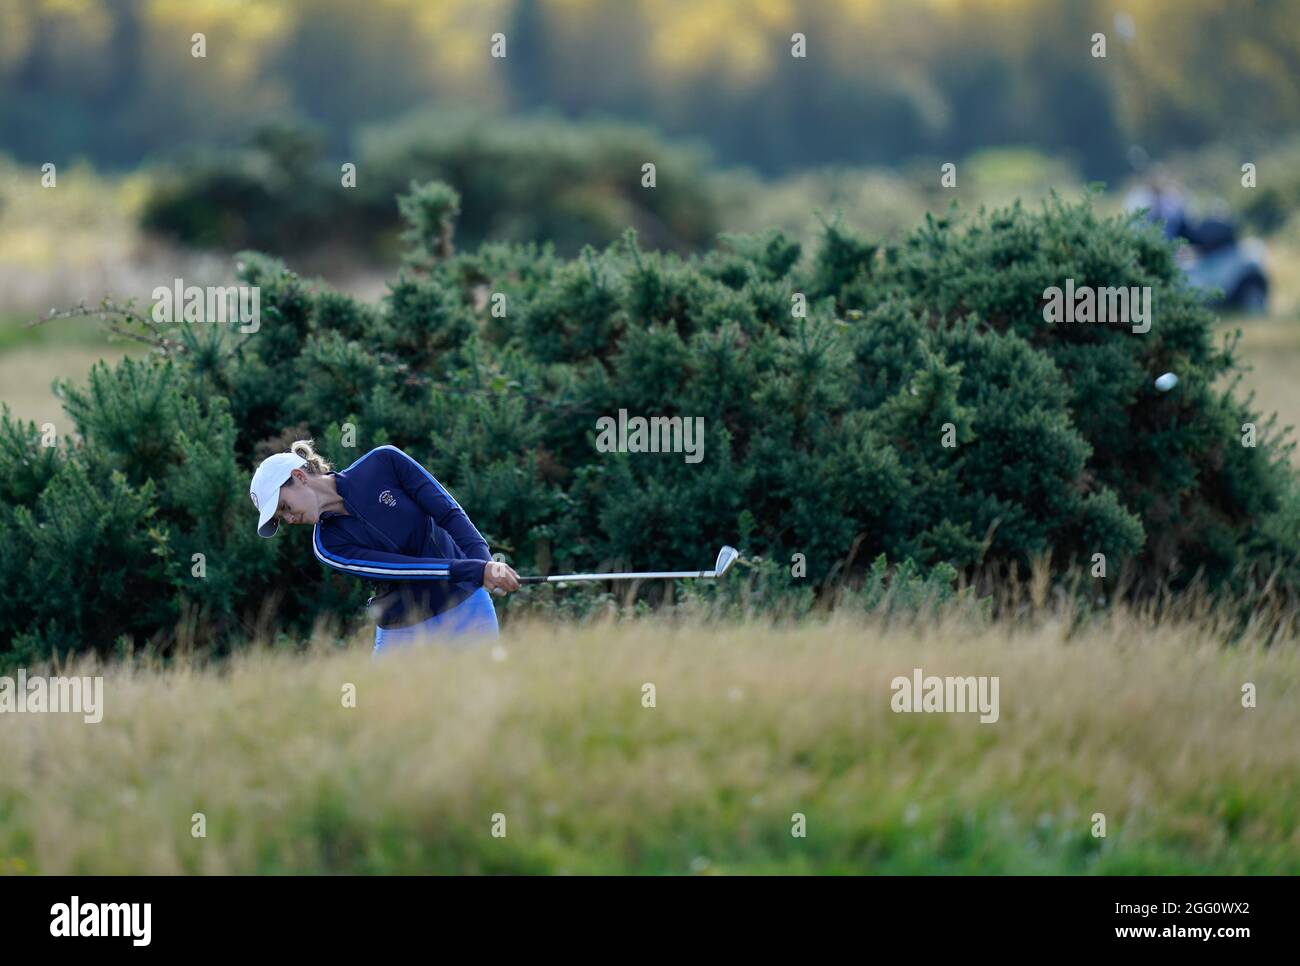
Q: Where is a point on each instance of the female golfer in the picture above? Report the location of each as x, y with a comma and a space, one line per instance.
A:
386, 519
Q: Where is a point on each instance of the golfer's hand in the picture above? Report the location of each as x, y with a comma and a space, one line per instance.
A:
499, 577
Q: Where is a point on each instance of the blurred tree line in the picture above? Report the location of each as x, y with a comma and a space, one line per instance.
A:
884, 80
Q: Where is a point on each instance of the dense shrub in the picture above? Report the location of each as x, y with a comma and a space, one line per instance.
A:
519, 179
823, 434
274, 193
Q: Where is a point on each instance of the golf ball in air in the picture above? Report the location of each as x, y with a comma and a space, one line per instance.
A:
1166, 382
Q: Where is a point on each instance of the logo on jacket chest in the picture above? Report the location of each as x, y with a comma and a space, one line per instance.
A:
387, 498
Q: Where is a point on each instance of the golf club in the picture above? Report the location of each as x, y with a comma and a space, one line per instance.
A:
726, 558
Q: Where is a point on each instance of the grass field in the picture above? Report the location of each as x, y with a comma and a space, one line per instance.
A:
751, 725
32, 359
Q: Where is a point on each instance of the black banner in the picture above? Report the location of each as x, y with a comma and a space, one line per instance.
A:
138, 916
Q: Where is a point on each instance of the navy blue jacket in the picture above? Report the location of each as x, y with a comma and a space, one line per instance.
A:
403, 529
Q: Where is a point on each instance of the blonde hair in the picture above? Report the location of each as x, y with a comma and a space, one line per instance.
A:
316, 464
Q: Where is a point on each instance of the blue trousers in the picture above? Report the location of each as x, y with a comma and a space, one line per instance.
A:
474, 618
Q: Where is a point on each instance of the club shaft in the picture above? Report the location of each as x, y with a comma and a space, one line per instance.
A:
652, 575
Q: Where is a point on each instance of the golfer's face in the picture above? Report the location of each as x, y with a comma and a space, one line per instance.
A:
298, 504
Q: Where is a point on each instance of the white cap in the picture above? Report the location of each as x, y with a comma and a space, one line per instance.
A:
265, 489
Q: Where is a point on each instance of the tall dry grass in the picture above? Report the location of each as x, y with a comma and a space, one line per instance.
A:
752, 723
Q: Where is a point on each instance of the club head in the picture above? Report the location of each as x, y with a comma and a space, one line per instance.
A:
726, 559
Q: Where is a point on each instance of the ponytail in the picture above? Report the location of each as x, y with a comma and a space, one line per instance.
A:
316, 464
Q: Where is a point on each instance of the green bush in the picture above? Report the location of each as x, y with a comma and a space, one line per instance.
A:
520, 179
824, 435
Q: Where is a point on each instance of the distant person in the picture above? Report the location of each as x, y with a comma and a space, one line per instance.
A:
1164, 203
386, 519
